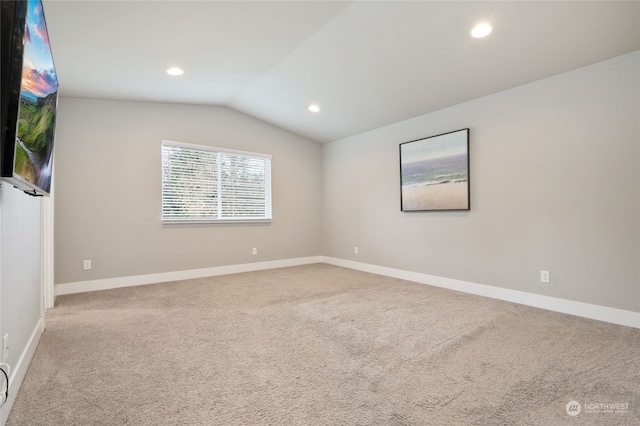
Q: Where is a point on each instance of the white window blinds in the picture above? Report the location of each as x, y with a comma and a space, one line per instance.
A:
206, 184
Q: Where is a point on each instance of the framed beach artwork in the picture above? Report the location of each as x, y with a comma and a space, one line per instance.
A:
434, 173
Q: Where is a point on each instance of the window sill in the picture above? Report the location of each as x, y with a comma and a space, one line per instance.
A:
214, 222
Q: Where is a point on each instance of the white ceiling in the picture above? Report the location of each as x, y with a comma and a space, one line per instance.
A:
366, 64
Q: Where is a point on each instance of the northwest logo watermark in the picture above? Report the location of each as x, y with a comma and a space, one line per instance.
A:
574, 408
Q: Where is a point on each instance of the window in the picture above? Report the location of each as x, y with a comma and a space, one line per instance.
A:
206, 184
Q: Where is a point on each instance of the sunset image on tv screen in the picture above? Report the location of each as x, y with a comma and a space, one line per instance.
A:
38, 102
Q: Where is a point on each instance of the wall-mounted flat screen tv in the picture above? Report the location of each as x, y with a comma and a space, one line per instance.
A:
29, 97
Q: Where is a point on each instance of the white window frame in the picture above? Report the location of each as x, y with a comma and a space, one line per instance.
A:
266, 217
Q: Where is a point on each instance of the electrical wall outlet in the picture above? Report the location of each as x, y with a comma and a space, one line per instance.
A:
544, 277
356, 250
254, 251
87, 265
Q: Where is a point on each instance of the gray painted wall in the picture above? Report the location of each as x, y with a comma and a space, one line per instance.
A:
108, 191
555, 185
20, 267
20, 275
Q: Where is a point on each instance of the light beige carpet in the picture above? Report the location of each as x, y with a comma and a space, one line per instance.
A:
322, 345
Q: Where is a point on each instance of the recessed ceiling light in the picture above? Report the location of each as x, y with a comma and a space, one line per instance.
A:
175, 71
314, 108
481, 30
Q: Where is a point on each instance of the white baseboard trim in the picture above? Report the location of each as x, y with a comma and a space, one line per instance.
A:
109, 283
19, 370
596, 312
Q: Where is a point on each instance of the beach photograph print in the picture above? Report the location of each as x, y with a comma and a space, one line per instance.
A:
434, 172
38, 102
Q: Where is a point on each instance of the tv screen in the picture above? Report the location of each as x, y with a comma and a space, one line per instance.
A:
30, 97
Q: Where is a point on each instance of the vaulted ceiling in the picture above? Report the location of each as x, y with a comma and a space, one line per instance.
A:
365, 64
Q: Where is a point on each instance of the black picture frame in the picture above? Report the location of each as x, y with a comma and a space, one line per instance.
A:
434, 173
